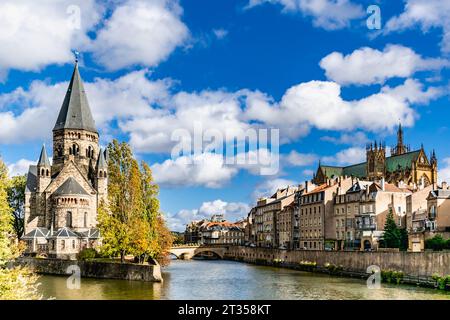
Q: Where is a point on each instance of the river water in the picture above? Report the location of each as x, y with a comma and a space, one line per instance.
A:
218, 279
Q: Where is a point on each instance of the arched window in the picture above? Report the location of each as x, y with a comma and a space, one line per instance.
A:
63, 244
42, 172
69, 219
47, 173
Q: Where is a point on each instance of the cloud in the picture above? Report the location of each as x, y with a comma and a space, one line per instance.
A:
295, 158
220, 33
354, 138
270, 186
444, 171
319, 104
232, 211
347, 156
367, 66
20, 167
140, 33
206, 169
327, 14
136, 32
36, 35
426, 14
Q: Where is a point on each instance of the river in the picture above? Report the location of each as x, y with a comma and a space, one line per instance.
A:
218, 279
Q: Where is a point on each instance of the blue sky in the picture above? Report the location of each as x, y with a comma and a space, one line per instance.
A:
310, 68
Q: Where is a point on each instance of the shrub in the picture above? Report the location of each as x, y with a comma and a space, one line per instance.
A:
437, 243
86, 254
392, 276
332, 268
441, 282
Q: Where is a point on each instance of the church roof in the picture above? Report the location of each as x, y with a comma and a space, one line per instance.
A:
75, 112
70, 186
393, 163
43, 158
31, 179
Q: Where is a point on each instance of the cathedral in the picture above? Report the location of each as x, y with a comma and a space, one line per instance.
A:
413, 168
62, 196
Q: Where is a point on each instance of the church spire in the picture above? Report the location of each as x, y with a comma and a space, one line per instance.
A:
43, 158
400, 148
75, 112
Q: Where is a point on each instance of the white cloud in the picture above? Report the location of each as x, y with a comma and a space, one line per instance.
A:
34, 35
20, 167
232, 211
137, 32
347, 156
427, 14
140, 32
327, 14
320, 104
295, 158
270, 186
220, 33
206, 169
353, 138
367, 66
444, 171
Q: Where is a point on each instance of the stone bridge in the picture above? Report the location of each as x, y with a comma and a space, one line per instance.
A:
186, 252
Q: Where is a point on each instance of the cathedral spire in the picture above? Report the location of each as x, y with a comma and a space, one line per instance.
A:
75, 112
400, 148
43, 158
101, 162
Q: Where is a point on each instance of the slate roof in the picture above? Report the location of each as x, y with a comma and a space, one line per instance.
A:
37, 233
75, 112
439, 193
70, 186
31, 179
101, 162
91, 234
43, 158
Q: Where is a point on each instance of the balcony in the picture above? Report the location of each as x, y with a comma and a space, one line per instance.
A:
366, 222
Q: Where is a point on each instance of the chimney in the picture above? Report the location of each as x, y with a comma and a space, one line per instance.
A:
444, 185
306, 186
383, 182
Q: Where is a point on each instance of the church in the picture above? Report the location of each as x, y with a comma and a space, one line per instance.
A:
413, 168
62, 196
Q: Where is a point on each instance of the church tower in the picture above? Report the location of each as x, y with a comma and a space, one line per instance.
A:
75, 137
376, 160
101, 181
43, 171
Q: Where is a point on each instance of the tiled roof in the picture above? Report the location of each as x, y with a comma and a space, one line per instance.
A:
70, 187
31, 179
318, 189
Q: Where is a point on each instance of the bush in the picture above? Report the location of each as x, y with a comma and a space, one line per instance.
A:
86, 254
392, 276
441, 282
437, 243
308, 265
332, 268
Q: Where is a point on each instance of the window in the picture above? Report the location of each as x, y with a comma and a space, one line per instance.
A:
73, 244
69, 219
63, 244
85, 219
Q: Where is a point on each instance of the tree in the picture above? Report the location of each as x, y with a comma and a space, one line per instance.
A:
394, 237
15, 282
16, 199
131, 222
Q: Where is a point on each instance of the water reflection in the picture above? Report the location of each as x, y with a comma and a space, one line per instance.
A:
216, 279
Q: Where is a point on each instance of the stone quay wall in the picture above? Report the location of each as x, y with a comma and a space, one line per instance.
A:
94, 269
413, 264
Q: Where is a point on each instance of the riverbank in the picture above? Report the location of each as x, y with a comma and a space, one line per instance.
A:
93, 269
405, 267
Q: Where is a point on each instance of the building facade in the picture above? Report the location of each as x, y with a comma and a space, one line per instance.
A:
62, 196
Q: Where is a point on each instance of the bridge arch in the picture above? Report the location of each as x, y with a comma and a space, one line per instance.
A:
188, 252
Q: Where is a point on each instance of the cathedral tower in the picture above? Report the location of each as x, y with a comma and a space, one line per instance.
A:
400, 148
376, 160
75, 137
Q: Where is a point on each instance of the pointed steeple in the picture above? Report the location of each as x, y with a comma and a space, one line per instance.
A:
101, 162
43, 158
75, 112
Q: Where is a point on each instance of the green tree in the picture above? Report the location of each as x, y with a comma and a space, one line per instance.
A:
15, 283
131, 222
16, 199
392, 234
